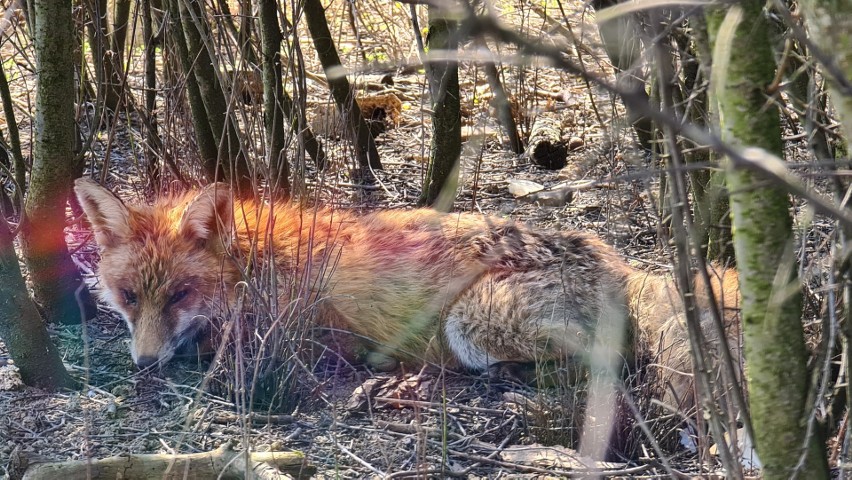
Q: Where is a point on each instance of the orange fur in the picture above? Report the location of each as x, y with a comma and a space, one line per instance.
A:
462, 289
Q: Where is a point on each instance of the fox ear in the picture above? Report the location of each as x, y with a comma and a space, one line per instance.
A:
106, 212
209, 212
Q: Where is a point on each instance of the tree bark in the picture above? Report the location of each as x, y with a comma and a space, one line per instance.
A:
231, 163
21, 327
763, 241
14, 140
622, 43
273, 93
365, 146
246, 32
503, 106
121, 15
443, 74
153, 144
208, 147
55, 277
107, 75
712, 206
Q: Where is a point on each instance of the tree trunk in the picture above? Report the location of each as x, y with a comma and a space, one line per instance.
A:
153, 144
246, 32
443, 73
622, 43
365, 146
106, 74
273, 93
503, 106
54, 276
763, 241
14, 140
712, 207
121, 15
208, 147
230, 164
21, 327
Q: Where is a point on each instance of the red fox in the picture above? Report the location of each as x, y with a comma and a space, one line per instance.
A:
462, 290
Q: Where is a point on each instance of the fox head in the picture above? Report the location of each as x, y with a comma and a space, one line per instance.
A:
161, 266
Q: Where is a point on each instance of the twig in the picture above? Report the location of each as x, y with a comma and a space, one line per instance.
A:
360, 460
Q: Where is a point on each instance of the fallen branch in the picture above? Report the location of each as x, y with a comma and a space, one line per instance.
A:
223, 463
546, 147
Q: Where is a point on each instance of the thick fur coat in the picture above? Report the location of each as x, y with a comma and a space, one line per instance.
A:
462, 290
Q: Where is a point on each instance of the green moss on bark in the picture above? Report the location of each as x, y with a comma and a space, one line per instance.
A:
763, 240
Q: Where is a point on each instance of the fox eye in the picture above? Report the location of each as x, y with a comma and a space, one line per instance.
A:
178, 296
129, 297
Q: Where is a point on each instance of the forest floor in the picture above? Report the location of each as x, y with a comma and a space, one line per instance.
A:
417, 424
355, 423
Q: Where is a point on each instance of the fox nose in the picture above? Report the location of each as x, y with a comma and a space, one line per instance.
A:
145, 361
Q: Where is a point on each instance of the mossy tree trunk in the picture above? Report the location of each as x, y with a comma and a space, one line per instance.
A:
55, 277
21, 327
763, 241
443, 73
344, 98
